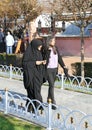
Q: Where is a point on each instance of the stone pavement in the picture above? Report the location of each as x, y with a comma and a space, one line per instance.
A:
69, 99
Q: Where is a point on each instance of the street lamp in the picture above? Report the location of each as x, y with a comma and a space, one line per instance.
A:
39, 26
63, 26
52, 24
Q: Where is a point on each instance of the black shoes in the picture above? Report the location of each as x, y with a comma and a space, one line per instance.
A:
54, 107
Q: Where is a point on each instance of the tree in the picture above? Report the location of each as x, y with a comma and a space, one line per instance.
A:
14, 9
30, 9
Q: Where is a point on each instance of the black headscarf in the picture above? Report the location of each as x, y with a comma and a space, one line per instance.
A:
31, 51
36, 43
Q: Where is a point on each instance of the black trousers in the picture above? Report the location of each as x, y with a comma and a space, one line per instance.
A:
51, 76
1, 47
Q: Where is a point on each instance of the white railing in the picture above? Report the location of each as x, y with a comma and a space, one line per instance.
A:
61, 119
73, 82
11, 72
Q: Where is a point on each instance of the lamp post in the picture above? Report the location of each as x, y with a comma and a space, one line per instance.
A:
52, 29
5, 23
52, 24
39, 26
63, 26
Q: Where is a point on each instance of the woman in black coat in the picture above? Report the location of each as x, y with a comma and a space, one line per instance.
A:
53, 59
33, 66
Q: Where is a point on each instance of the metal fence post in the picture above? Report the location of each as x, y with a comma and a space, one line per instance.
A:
6, 100
62, 82
49, 115
10, 71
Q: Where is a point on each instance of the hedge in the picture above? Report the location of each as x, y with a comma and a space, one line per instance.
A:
76, 69
14, 59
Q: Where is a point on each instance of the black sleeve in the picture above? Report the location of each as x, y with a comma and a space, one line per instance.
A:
60, 60
46, 54
62, 64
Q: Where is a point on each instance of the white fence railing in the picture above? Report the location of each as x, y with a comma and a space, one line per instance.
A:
60, 119
11, 72
74, 82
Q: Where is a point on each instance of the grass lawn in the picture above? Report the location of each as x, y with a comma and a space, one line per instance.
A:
10, 123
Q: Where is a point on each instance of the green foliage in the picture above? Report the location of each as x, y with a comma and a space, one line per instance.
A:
2, 58
11, 123
15, 60
76, 69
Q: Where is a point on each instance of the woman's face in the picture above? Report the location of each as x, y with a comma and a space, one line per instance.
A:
52, 42
39, 47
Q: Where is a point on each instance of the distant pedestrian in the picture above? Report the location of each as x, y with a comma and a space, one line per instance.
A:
1, 41
18, 47
9, 43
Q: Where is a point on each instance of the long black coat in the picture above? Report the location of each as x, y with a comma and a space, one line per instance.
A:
31, 71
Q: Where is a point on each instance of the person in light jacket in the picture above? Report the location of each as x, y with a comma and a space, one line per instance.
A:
9, 43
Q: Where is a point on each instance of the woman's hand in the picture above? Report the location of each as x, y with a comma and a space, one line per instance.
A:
66, 72
44, 62
41, 62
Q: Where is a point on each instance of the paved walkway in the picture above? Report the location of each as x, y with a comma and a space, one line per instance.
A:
70, 99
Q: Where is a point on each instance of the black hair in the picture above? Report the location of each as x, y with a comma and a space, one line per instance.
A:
49, 41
